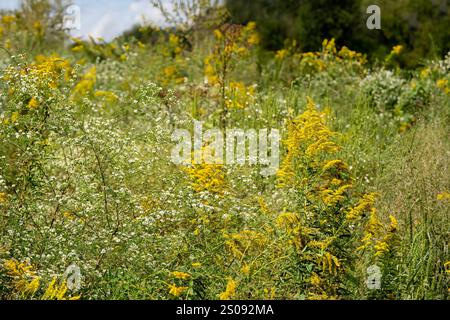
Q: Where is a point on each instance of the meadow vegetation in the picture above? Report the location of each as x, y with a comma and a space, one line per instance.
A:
86, 176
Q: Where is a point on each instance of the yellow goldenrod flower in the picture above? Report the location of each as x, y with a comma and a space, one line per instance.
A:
329, 46
308, 138
443, 85
39, 29
447, 267
68, 215
329, 263
366, 241
86, 85
245, 269
394, 224
181, 275
374, 223
210, 72
110, 97
334, 163
14, 117
322, 245
287, 219
381, 247
230, 290
206, 177
424, 73
141, 45
251, 25
33, 286
239, 96
2, 197
443, 196
347, 53
17, 269
397, 49
26, 281
176, 291
253, 39
245, 241
169, 71
322, 296
8, 19
315, 279
281, 54
33, 103
332, 197
78, 48
174, 40
230, 43
218, 34
364, 204
50, 68
269, 293
23, 277
262, 205
55, 291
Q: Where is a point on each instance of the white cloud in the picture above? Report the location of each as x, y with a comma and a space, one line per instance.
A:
111, 20
103, 27
143, 12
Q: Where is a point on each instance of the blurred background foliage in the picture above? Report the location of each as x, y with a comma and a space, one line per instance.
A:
420, 25
35, 27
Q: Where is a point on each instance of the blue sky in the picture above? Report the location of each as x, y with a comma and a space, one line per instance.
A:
107, 18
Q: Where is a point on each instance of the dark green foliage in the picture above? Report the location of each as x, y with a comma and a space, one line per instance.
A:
420, 25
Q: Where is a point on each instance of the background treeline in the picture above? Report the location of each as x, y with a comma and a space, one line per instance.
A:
422, 26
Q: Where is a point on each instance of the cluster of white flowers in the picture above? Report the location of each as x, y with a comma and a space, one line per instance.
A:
383, 88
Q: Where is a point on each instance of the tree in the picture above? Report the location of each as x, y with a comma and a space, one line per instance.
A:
307, 21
